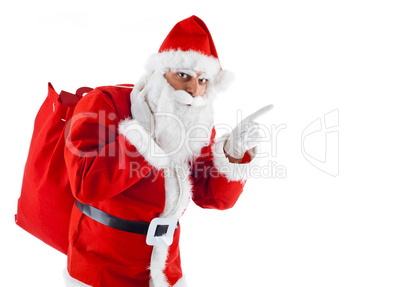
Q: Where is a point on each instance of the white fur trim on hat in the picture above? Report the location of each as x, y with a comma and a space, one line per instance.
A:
184, 59
234, 171
221, 81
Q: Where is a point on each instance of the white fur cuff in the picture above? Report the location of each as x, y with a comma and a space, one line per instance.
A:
141, 139
234, 171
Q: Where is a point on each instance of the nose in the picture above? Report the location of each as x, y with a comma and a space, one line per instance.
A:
194, 88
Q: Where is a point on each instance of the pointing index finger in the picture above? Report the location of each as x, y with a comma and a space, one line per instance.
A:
258, 113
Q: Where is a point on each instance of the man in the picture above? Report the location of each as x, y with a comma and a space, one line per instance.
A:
136, 156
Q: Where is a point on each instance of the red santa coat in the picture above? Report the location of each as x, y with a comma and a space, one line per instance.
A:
110, 170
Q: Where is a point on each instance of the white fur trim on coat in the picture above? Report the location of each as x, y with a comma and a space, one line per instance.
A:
158, 264
182, 282
177, 190
178, 193
141, 139
234, 171
70, 281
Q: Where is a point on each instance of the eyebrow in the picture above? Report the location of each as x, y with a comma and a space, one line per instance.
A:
205, 76
186, 71
191, 73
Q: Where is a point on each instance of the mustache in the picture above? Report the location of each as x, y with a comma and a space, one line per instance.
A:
185, 98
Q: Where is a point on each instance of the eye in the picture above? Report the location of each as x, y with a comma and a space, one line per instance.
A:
203, 80
182, 75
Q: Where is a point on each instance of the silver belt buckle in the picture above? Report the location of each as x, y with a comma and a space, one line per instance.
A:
167, 238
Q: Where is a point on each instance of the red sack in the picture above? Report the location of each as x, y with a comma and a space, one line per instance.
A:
45, 204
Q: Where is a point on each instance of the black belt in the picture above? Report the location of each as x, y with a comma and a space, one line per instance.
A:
118, 223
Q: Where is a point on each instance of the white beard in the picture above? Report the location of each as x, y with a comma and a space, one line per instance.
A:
183, 124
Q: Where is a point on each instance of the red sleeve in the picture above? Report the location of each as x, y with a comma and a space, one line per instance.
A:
99, 160
211, 188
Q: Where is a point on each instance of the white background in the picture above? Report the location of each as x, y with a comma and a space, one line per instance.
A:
308, 58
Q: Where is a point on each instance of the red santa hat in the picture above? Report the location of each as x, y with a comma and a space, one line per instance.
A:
189, 45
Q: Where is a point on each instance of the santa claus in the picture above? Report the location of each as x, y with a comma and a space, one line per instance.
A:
137, 155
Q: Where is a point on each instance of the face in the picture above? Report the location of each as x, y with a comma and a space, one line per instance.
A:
183, 121
192, 82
